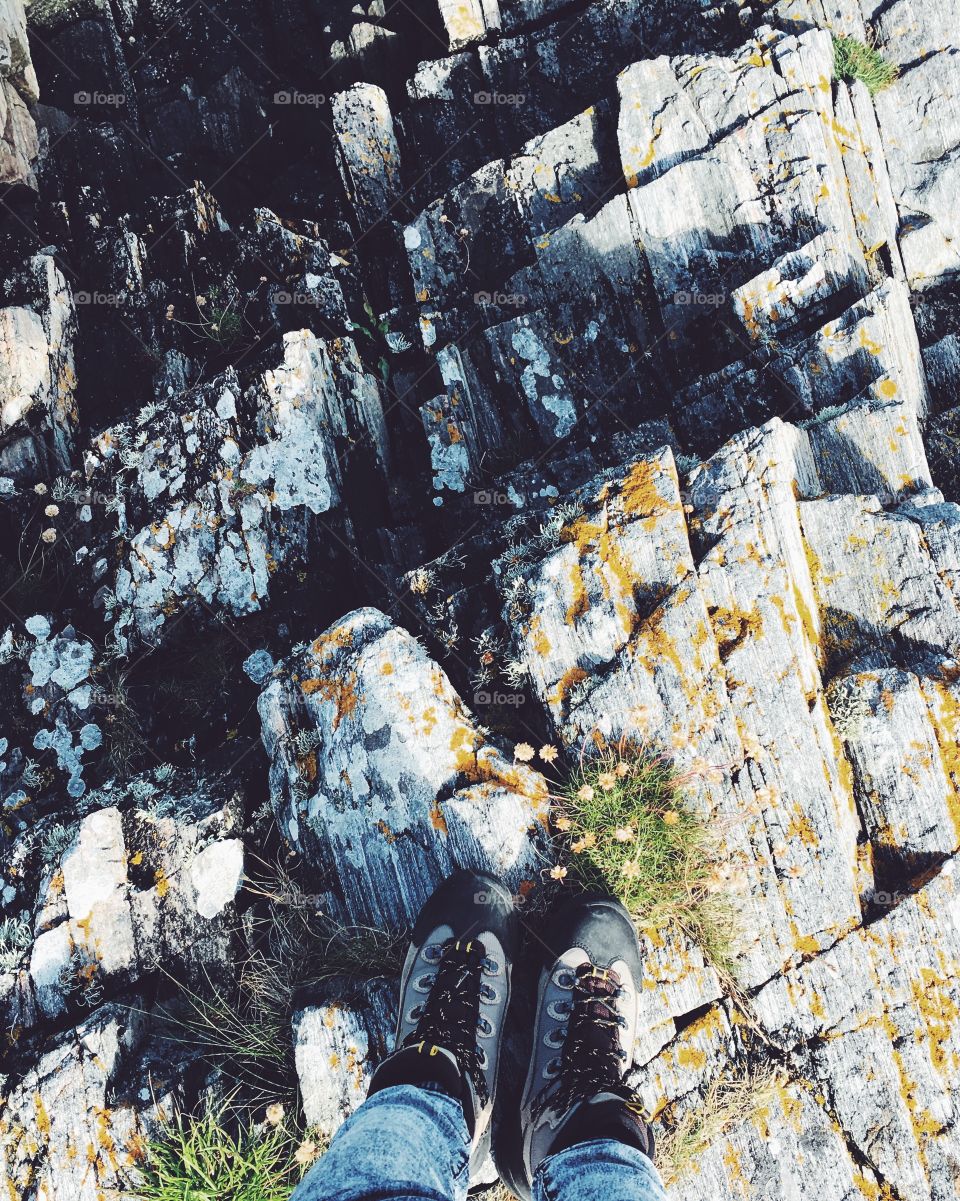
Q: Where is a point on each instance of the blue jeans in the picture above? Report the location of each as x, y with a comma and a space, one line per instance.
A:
411, 1144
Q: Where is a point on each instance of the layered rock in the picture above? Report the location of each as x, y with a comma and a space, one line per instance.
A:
38, 415
633, 395
380, 775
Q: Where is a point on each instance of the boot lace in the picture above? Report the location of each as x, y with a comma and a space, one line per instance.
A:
591, 1060
451, 1011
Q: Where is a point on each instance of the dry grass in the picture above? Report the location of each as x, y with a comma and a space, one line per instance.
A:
727, 1102
245, 1030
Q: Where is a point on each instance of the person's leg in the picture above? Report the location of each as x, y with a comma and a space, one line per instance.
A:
580, 1129
602, 1169
427, 1114
403, 1144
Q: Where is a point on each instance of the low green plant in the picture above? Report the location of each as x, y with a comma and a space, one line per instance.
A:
16, 934
204, 1159
630, 831
853, 59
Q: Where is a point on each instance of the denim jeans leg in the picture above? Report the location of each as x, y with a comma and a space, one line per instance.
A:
403, 1144
599, 1170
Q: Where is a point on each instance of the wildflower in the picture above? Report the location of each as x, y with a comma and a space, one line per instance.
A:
275, 1113
607, 780
49, 535
40, 489
623, 834
681, 740
52, 510
671, 817
584, 843
631, 870
169, 312
585, 793
524, 752
201, 301
548, 753
622, 769
306, 1153
557, 872
562, 823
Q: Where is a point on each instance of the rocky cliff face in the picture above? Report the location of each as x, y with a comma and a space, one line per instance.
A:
379, 390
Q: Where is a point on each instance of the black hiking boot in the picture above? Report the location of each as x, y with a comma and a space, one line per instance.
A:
585, 1025
454, 991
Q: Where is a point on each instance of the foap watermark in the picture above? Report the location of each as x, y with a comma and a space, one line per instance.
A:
294, 298
101, 99
508, 98
512, 699
107, 299
301, 99
485, 497
501, 299
499, 900
704, 300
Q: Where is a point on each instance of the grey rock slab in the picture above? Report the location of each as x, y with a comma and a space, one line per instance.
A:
381, 778
65, 1139
38, 415
225, 483
873, 448
904, 792
658, 125
336, 1047
919, 118
875, 582
368, 156
789, 295
873, 341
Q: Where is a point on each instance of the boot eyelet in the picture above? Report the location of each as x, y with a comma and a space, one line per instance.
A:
490, 966
552, 1068
489, 995
564, 978
432, 952
414, 1014
560, 1009
485, 1027
424, 983
482, 1060
556, 1037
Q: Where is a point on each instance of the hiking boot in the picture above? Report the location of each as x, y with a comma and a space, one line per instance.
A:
585, 1025
454, 991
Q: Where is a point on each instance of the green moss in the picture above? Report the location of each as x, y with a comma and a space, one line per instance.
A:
856, 60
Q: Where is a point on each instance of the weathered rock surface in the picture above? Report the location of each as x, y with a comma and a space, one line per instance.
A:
380, 775
38, 414
379, 392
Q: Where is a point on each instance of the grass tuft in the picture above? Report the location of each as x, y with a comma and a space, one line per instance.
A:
727, 1102
244, 1029
632, 833
202, 1159
853, 59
